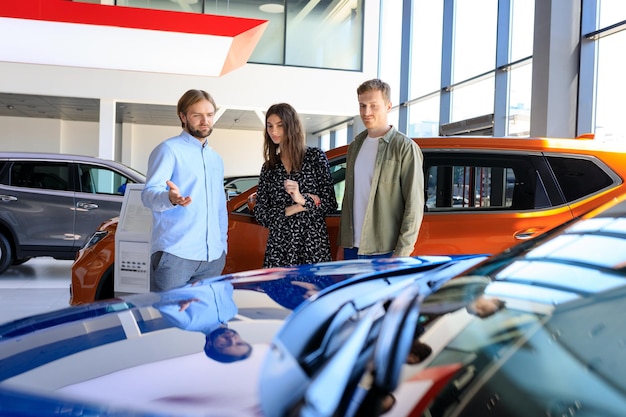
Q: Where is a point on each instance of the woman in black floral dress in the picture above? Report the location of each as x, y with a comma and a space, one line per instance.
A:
295, 193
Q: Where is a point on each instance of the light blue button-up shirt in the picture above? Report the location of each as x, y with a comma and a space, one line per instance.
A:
199, 230
212, 305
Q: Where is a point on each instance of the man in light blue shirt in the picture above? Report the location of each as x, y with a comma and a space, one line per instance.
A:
184, 189
206, 308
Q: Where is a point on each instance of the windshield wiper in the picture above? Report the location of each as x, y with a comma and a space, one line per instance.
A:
326, 390
396, 335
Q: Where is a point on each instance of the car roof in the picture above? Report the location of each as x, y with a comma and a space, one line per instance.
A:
511, 143
49, 156
516, 143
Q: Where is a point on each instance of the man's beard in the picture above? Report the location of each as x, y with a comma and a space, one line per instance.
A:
200, 134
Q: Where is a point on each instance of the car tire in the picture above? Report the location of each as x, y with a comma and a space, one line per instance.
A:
105, 286
6, 253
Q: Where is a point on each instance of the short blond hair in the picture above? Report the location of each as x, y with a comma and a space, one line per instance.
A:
375, 85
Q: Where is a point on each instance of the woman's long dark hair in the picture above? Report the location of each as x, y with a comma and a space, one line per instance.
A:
293, 144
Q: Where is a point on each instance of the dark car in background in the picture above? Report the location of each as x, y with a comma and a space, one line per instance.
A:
536, 330
50, 204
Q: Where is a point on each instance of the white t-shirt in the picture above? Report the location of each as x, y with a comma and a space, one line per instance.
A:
363, 175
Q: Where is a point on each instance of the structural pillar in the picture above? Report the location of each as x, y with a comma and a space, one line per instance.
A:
555, 68
106, 139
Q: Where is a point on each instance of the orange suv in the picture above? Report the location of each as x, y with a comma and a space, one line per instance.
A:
483, 195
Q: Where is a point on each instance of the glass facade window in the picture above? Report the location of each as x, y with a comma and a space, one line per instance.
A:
325, 141
611, 12
519, 101
424, 118
522, 18
611, 88
190, 6
601, 87
472, 100
453, 63
329, 34
318, 34
394, 118
426, 53
341, 137
475, 30
442, 88
391, 45
324, 34
271, 47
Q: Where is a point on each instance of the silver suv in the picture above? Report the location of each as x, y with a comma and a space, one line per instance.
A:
51, 203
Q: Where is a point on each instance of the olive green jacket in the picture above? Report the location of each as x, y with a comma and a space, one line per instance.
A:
396, 204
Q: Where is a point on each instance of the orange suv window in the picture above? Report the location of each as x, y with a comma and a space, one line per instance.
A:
472, 181
579, 177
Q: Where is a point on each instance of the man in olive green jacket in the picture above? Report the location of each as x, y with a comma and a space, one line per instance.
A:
383, 203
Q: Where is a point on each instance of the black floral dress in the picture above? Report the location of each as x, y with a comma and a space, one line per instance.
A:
301, 238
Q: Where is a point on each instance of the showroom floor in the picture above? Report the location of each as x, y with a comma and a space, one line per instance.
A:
37, 286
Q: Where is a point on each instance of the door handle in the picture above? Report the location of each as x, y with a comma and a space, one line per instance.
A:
5, 197
528, 233
86, 206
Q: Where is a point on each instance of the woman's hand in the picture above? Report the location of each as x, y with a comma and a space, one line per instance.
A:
315, 199
293, 189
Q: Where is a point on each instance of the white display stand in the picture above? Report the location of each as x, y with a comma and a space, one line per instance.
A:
132, 244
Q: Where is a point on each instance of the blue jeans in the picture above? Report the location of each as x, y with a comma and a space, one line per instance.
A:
168, 271
353, 253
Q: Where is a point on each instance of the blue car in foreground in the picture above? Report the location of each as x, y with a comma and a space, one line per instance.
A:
147, 355
534, 331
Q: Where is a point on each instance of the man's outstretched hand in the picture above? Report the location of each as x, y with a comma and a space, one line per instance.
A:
175, 197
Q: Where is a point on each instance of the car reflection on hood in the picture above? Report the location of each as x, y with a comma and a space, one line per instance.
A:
148, 354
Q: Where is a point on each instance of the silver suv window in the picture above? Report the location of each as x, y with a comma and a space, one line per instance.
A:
100, 180
48, 175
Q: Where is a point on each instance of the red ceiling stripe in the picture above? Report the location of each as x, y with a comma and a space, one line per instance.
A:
68, 11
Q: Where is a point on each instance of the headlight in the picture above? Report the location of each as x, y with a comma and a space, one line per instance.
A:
95, 238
